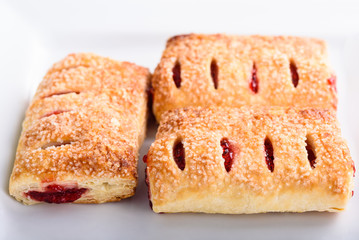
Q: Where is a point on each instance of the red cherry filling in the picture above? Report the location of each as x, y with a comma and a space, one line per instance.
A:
228, 154
254, 80
214, 73
179, 155
332, 81
144, 159
268, 153
294, 73
176, 74
310, 153
53, 113
57, 194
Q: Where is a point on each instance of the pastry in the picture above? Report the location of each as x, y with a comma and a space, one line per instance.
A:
235, 71
82, 133
249, 160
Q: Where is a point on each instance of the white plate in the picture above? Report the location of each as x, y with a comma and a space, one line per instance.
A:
36, 34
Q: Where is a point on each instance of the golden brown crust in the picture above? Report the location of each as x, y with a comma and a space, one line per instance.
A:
84, 126
235, 56
249, 187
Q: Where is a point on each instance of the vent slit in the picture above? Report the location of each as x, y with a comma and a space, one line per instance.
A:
254, 79
214, 73
294, 73
56, 112
179, 155
228, 154
61, 93
268, 153
310, 152
56, 144
176, 74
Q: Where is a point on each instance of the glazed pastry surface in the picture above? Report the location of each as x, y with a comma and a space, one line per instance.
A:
234, 71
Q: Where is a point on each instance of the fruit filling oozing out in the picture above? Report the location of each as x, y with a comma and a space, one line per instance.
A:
57, 194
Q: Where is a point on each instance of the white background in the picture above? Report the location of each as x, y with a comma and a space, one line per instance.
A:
35, 34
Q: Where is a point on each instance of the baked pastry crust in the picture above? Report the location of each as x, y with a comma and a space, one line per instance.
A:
204, 185
83, 130
235, 58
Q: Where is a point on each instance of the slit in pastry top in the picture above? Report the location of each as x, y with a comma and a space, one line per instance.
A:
56, 112
176, 74
294, 73
254, 85
269, 154
61, 93
310, 151
179, 154
228, 154
214, 73
56, 144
